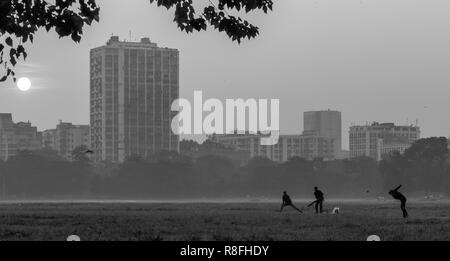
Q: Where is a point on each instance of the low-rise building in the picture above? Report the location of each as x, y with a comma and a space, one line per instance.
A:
308, 146
66, 137
16, 137
49, 139
377, 140
390, 145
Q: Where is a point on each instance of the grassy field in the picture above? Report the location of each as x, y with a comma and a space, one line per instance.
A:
222, 222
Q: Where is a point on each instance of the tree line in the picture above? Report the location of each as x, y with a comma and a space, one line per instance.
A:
422, 169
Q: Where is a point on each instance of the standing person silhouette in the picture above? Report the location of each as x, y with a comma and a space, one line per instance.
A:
319, 200
288, 202
399, 196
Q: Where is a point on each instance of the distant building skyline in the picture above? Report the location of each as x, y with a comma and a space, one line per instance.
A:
362, 59
374, 140
321, 138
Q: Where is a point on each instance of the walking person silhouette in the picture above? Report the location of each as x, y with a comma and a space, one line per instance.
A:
288, 202
399, 196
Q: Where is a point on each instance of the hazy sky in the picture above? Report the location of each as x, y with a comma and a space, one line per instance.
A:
374, 60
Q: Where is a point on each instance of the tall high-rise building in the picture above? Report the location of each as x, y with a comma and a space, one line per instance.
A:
379, 139
133, 85
325, 124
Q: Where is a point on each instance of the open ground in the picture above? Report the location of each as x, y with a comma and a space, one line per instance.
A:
221, 221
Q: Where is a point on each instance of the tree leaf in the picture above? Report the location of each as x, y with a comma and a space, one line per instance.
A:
9, 41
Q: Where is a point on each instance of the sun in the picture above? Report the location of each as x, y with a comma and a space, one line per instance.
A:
24, 84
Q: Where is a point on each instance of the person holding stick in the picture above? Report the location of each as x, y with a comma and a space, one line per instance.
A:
319, 200
399, 196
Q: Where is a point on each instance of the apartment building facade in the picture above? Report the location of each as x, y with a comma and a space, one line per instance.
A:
132, 88
66, 137
377, 139
326, 124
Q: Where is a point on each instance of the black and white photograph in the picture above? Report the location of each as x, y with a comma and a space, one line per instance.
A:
239, 122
